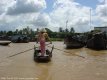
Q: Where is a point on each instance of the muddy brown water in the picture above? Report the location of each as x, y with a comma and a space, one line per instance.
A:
63, 66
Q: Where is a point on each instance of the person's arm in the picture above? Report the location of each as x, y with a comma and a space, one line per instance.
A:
37, 38
48, 38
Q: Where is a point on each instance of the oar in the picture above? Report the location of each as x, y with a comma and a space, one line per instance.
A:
16, 54
23, 51
68, 52
19, 53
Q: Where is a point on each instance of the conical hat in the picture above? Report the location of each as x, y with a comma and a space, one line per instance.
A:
43, 30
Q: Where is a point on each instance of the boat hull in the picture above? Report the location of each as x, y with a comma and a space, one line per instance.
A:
73, 45
40, 58
5, 43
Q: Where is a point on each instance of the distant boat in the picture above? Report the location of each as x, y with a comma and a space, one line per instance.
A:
20, 39
5, 43
97, 42
73, 42
4, 37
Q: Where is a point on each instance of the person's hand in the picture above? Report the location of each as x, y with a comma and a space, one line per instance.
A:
37, 42
50, 42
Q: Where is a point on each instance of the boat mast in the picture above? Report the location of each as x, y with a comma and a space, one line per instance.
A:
90, 18
66, 25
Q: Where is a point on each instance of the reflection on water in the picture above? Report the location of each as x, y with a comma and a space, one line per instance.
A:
63, 66
44, 68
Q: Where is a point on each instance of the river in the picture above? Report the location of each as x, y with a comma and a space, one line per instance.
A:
63, 66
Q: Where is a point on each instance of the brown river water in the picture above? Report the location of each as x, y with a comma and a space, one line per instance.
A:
63, 66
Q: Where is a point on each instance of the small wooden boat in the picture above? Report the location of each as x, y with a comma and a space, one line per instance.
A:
45, 58
5, 43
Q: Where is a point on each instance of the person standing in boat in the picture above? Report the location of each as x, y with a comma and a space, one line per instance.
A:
42, 37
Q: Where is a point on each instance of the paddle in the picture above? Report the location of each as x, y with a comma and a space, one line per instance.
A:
67, 52
16, 54
19, 53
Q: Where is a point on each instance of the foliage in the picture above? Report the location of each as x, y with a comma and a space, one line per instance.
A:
56, 39
31, 33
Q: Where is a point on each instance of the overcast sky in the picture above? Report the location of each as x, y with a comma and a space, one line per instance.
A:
16, 14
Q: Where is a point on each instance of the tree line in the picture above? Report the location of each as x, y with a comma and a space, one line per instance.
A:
31, 33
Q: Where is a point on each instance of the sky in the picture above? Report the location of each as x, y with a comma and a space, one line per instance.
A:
82, 15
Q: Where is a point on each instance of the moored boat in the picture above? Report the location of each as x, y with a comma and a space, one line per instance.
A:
20, 39
73, 42
5, 43
97, 42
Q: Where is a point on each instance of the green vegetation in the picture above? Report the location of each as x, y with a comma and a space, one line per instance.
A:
56, 39
55, 36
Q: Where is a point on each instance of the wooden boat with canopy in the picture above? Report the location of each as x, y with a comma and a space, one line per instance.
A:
97, 42
73, 42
